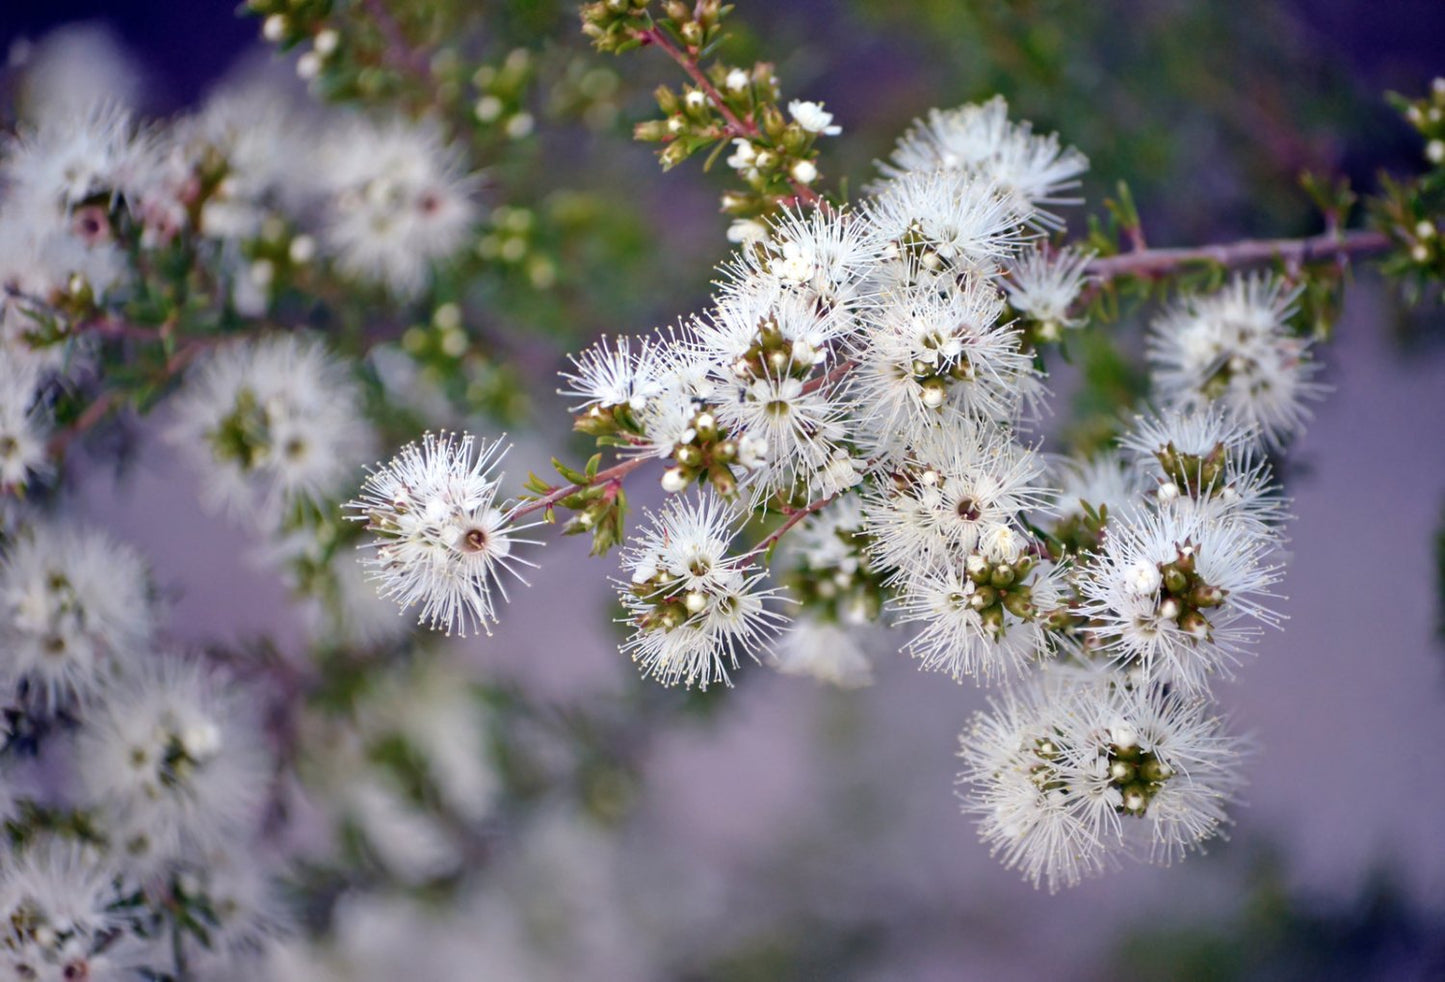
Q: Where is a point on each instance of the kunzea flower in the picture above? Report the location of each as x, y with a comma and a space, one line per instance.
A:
443, 538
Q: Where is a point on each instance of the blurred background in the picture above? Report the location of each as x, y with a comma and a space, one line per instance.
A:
788, 830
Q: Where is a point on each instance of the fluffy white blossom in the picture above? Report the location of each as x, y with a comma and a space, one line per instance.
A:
23, 423
1235, 348
1043, 284
70, 159
827, 652
694, 606
58, 912
610, 375
175, 761
75, 613
827, 252
444, 539
979, 139
1171, 591
1105, 482
1206, 459
948, 218
272, 425
932, 359
1074, 772
982, 617
73, 68
399, 201
964, 485
811, 117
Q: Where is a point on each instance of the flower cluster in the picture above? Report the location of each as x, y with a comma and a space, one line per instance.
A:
166, 776
870, 374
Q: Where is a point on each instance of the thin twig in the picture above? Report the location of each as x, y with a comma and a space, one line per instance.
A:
613, 474
736, 125
794, 517
1247, 252
398, 50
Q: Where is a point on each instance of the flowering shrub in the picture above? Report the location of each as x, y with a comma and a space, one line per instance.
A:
847, 439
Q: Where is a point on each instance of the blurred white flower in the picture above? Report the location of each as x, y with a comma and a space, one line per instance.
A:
273, 426
75, 613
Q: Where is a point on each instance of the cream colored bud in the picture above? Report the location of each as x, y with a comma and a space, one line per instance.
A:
488, 109
262, 272
520, 125
302, 249
308, 66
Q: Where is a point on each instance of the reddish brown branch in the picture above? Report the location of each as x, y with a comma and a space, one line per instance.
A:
1155, 263
404, 57
613, 474
794, 517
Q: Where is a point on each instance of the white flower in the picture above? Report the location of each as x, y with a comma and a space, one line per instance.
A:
235, 882
694, 607
399, 201
931, 359
1183, 627
1197, 433
443, 538
743, 156
75, 67
1015, 781
1235, 348
1044, 284
979, 139
75, 613
811, 117
1209, 458
1105, 482
437, 712
1069, 774
608, 376
790, 429
58, 909
67, 159
23, 422
957, 218
747, 231
827, 652
272, 425
963, 483
971, 627
828, 251
175, 761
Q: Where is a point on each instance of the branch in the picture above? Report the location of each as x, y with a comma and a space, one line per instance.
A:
404, 57
794, 517
736, 126
1156, 263
614, 473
